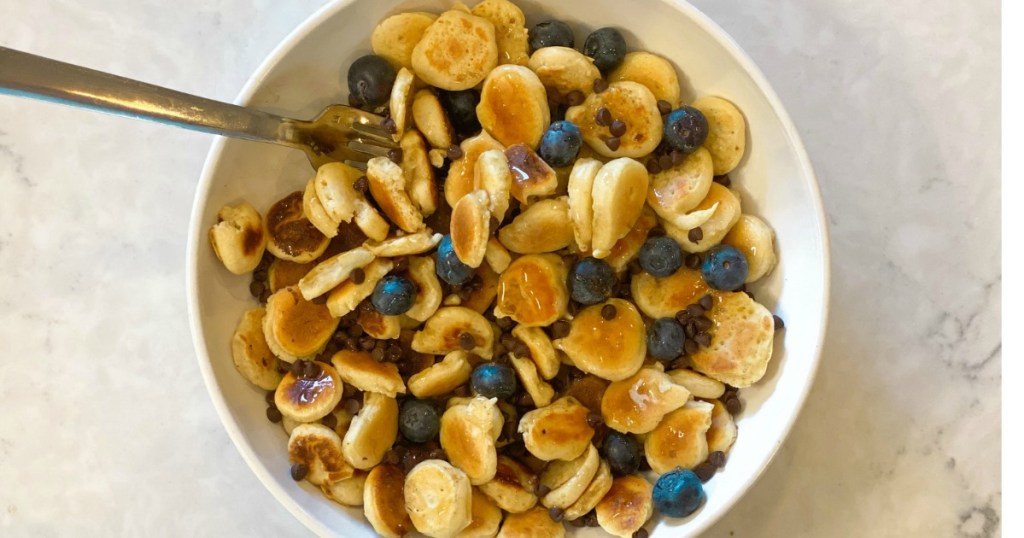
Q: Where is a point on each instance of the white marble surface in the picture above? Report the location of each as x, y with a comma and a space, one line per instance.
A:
106, 428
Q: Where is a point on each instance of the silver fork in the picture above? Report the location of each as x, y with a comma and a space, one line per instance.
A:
339, 133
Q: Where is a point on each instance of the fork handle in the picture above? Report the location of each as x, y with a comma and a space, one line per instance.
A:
28, 75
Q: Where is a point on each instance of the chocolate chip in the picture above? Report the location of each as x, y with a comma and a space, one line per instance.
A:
574, 98
378, 353
665, 162
779, 325
274, 414
600, 85
690, 328
521, 349
603, 117
594, 420
355, 331
525, 400
695, 235
454, 152
256, 288
652, 166
608, 312
703, 339
367, 344
541, 490
717, 458
330, 421
401, 264
723, 180
297, 368
264, 296
702, 323
505, 323
347, 391
361, 184
664, 107
353, 405
412, 458
692, 261
617, 128
640, 533
312, 370
269, 396
556, 513
695, 310
591, 518
733, 405
613, 143
389, 126
681, 362
358, 276
395, 154
705, 471
706, 302
560, 329
508, 341
683, 317
467, 341
578, 523
299, 471
690, 347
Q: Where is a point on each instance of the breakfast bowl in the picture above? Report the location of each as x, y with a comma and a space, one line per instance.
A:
775, 181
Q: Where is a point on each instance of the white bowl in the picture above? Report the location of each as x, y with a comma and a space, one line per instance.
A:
306, 72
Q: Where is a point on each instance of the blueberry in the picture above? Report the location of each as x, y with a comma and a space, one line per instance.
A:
551, 34
678, 493
560, 144
591, 281
724, 268
449, 267
607, 47
665, 339
492, 380
370, 79
460, 106
622, 452
661, 256
393, 295
686, 129
419, 421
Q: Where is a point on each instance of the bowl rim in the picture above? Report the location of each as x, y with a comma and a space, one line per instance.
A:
195, 235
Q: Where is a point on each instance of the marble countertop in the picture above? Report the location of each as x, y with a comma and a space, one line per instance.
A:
108, 430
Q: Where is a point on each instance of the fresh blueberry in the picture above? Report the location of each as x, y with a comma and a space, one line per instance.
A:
460, 106
370, 79
591, 281
661, 256
449, 267
393, 295
686, 129
492, 380
724, 268
551, 34
665, 339
622, 452
418, 421
678, 493
607, 47
560, 144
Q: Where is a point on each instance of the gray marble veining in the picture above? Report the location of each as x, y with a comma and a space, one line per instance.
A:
107, 428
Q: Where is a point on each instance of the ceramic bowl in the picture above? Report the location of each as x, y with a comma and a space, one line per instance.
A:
306, 72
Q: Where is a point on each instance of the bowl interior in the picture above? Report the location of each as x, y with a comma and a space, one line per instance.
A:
306, 73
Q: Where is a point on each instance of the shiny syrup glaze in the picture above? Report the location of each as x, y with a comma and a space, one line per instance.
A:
288, 227
303, 391
526, 293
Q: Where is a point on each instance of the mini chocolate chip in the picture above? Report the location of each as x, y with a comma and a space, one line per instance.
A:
617, 128
378, 353
723, 180
395, 154
358, 276
541, 490
454, 152
260, 274
681, 362
389, 126
665, 162
578, 522
574, 98
652, 166
347, 391
521, 349
695, 234
692, 261
361, 184
594, 420
355, 331
525, 400
297, 368
779, 324
613, 143
706, 302
683, 316
264, 296
733, 405
312, 370
256, 288
690, 347
505, 323
353, 405
299, 471
664, 107
677, 157
592, 519
703, 339
367, 343
401, 264
704, 471
608, 312
269, 396
560, 329
600, 85
690, 328
508, 341
695, 310
556, 513
702, 323
467, 341
640, 533
330, 421
717, 458
274, 414
603, 117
